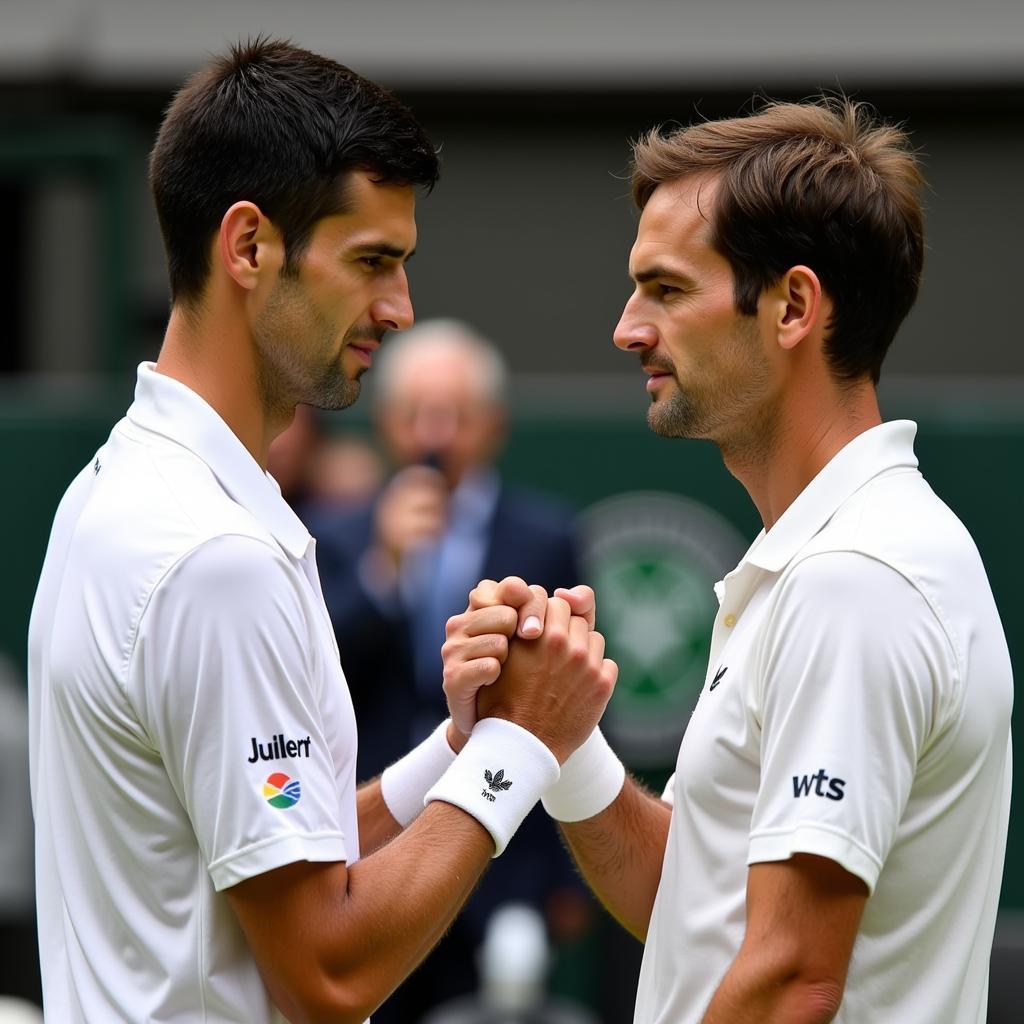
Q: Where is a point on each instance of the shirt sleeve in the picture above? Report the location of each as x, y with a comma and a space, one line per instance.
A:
856, 675
224, 680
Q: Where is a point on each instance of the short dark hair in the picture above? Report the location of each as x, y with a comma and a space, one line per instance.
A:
279, 126
823, 184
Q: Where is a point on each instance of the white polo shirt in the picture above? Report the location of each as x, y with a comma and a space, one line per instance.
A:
190, 723
857, 707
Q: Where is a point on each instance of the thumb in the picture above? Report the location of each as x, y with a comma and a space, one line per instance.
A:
581, 601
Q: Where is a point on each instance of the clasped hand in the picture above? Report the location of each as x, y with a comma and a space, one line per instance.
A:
516, 653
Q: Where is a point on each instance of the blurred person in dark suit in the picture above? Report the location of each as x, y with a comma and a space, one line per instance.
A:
397, 567
393, 572
321, 474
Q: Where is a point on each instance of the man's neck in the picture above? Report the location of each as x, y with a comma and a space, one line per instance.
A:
800, 440
219, 366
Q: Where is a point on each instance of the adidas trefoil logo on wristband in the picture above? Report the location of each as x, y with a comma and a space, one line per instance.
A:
497, 783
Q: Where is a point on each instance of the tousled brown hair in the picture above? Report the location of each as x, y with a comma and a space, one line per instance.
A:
823, 184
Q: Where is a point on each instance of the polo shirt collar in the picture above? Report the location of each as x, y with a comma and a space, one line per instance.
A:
167, 407
885, 447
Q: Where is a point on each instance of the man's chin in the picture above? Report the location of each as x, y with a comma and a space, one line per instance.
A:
340, 395
667, 421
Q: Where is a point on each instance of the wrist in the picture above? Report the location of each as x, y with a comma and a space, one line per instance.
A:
503, 713
456, 737
404, 785
498, 777
591, 779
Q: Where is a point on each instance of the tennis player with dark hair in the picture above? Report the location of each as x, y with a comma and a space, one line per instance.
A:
193, 743
831, 845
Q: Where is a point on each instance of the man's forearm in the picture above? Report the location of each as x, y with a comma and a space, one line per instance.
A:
333, 942
620, 853
772, 994
395, 799
402, 899
377, 826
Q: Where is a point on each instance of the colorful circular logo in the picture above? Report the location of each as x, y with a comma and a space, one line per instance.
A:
282, 791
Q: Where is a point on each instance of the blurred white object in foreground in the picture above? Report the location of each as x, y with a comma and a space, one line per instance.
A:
514, 962
17, 1011
514, 959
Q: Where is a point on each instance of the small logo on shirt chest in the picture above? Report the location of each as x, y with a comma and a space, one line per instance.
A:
276, 748
718, 677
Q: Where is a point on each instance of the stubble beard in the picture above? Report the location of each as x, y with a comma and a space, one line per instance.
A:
731, 410
300, 360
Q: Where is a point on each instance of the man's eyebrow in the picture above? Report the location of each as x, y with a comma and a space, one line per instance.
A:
394, 252
659, 270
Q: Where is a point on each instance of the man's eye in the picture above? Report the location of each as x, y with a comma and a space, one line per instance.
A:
666, 289
371, 261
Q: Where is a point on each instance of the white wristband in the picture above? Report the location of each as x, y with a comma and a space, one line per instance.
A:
498, 777
591, 779
404, 784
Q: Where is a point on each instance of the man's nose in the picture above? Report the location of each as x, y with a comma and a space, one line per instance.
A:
632, 333
394, 310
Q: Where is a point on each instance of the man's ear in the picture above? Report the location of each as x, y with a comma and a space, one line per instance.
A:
250, 247
800, 307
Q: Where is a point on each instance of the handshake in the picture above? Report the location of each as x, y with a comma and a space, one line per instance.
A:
534, 660
527, 682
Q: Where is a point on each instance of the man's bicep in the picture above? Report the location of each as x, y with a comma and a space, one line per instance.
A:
802, 916
289, 916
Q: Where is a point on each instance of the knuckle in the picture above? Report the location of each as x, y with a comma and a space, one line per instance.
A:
557, 637
488, 669
497, 644
511, 588
482, 595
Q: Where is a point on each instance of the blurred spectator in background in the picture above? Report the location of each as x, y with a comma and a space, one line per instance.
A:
346, 472
320, 475
513, 961
394, 570
19, 959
